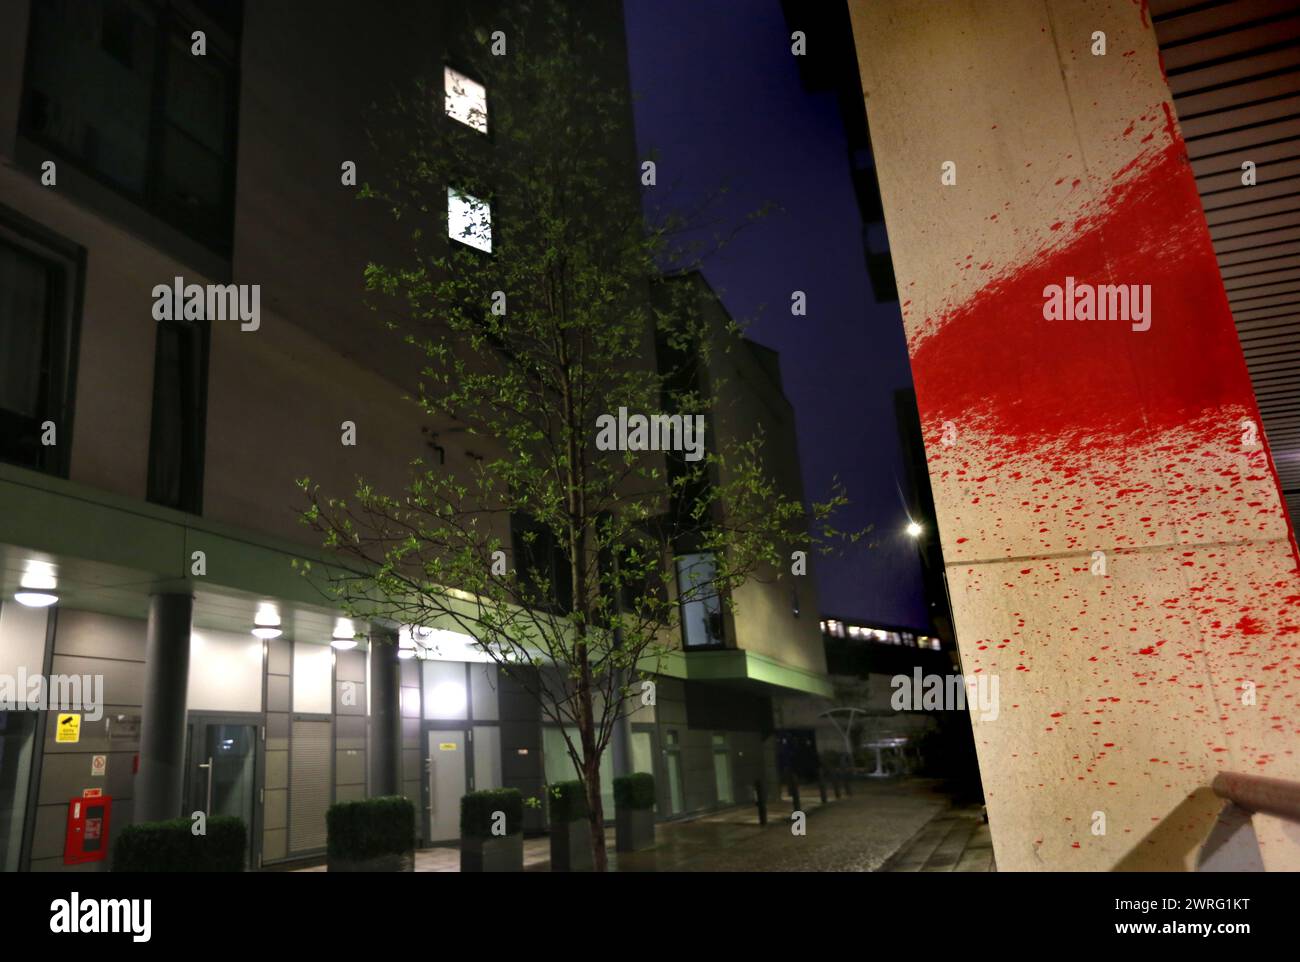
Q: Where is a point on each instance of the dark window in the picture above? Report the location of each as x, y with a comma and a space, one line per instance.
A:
542, 565
176, 436
689, 481
39, 284
643, 591
114, 88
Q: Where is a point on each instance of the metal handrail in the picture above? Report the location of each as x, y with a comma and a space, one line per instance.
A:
1255, 793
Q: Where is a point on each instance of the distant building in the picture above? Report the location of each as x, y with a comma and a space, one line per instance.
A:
829, 64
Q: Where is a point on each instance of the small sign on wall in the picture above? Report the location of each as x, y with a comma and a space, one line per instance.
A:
446, 746
68, 729
123, 728
98, 765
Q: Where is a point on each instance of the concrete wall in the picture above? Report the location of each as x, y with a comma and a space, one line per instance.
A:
91, 644
1122, 693
276, 396
747, 382
96, 644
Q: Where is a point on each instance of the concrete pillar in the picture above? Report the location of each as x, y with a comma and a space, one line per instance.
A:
1118, 554
159, 785
385, 744
620, 742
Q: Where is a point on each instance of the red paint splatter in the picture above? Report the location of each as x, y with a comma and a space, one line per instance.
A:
1250, 626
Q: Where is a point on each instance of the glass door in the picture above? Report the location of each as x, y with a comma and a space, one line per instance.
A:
222, 767
673, 765
722, 769
17, 741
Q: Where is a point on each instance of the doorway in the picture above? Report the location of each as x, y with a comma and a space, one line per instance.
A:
446, 782
722, 769
221, 765
673, 766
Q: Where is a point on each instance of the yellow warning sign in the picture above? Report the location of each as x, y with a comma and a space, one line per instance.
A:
69, 727
446, 746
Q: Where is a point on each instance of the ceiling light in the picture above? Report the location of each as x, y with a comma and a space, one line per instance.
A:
266, 622
345, 634
38, 583
35, 599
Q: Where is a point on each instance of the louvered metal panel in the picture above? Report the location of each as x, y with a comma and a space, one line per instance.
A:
1234, 69
309, 785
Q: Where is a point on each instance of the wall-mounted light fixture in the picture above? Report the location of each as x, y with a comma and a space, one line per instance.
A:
266, 623
37, 586
345, 634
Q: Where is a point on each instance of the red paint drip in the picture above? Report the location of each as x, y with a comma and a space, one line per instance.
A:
1094, 382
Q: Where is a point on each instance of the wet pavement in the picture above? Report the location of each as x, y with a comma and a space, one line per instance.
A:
883, 819
957, 840
856, 834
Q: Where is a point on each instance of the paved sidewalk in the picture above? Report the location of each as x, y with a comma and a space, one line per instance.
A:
957, 840
857, 834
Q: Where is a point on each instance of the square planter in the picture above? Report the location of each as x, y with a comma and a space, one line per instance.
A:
571, 846
634, 829
403, 862
504, 853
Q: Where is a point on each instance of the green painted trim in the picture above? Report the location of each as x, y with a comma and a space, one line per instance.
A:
736, 664
62, 517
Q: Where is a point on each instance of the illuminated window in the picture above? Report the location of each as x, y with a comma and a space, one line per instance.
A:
469, 220
465, 100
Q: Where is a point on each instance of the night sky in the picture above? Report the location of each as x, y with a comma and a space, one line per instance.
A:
720, 101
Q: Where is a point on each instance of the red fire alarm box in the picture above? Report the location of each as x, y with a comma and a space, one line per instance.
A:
87, 836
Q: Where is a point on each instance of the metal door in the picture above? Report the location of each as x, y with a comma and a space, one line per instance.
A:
447, 783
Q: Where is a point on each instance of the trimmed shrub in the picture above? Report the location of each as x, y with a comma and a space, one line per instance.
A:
370, 828
477, 808
171, 846
635, 791
568, 801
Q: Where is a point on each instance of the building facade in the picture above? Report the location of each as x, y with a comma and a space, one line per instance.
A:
148, 467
